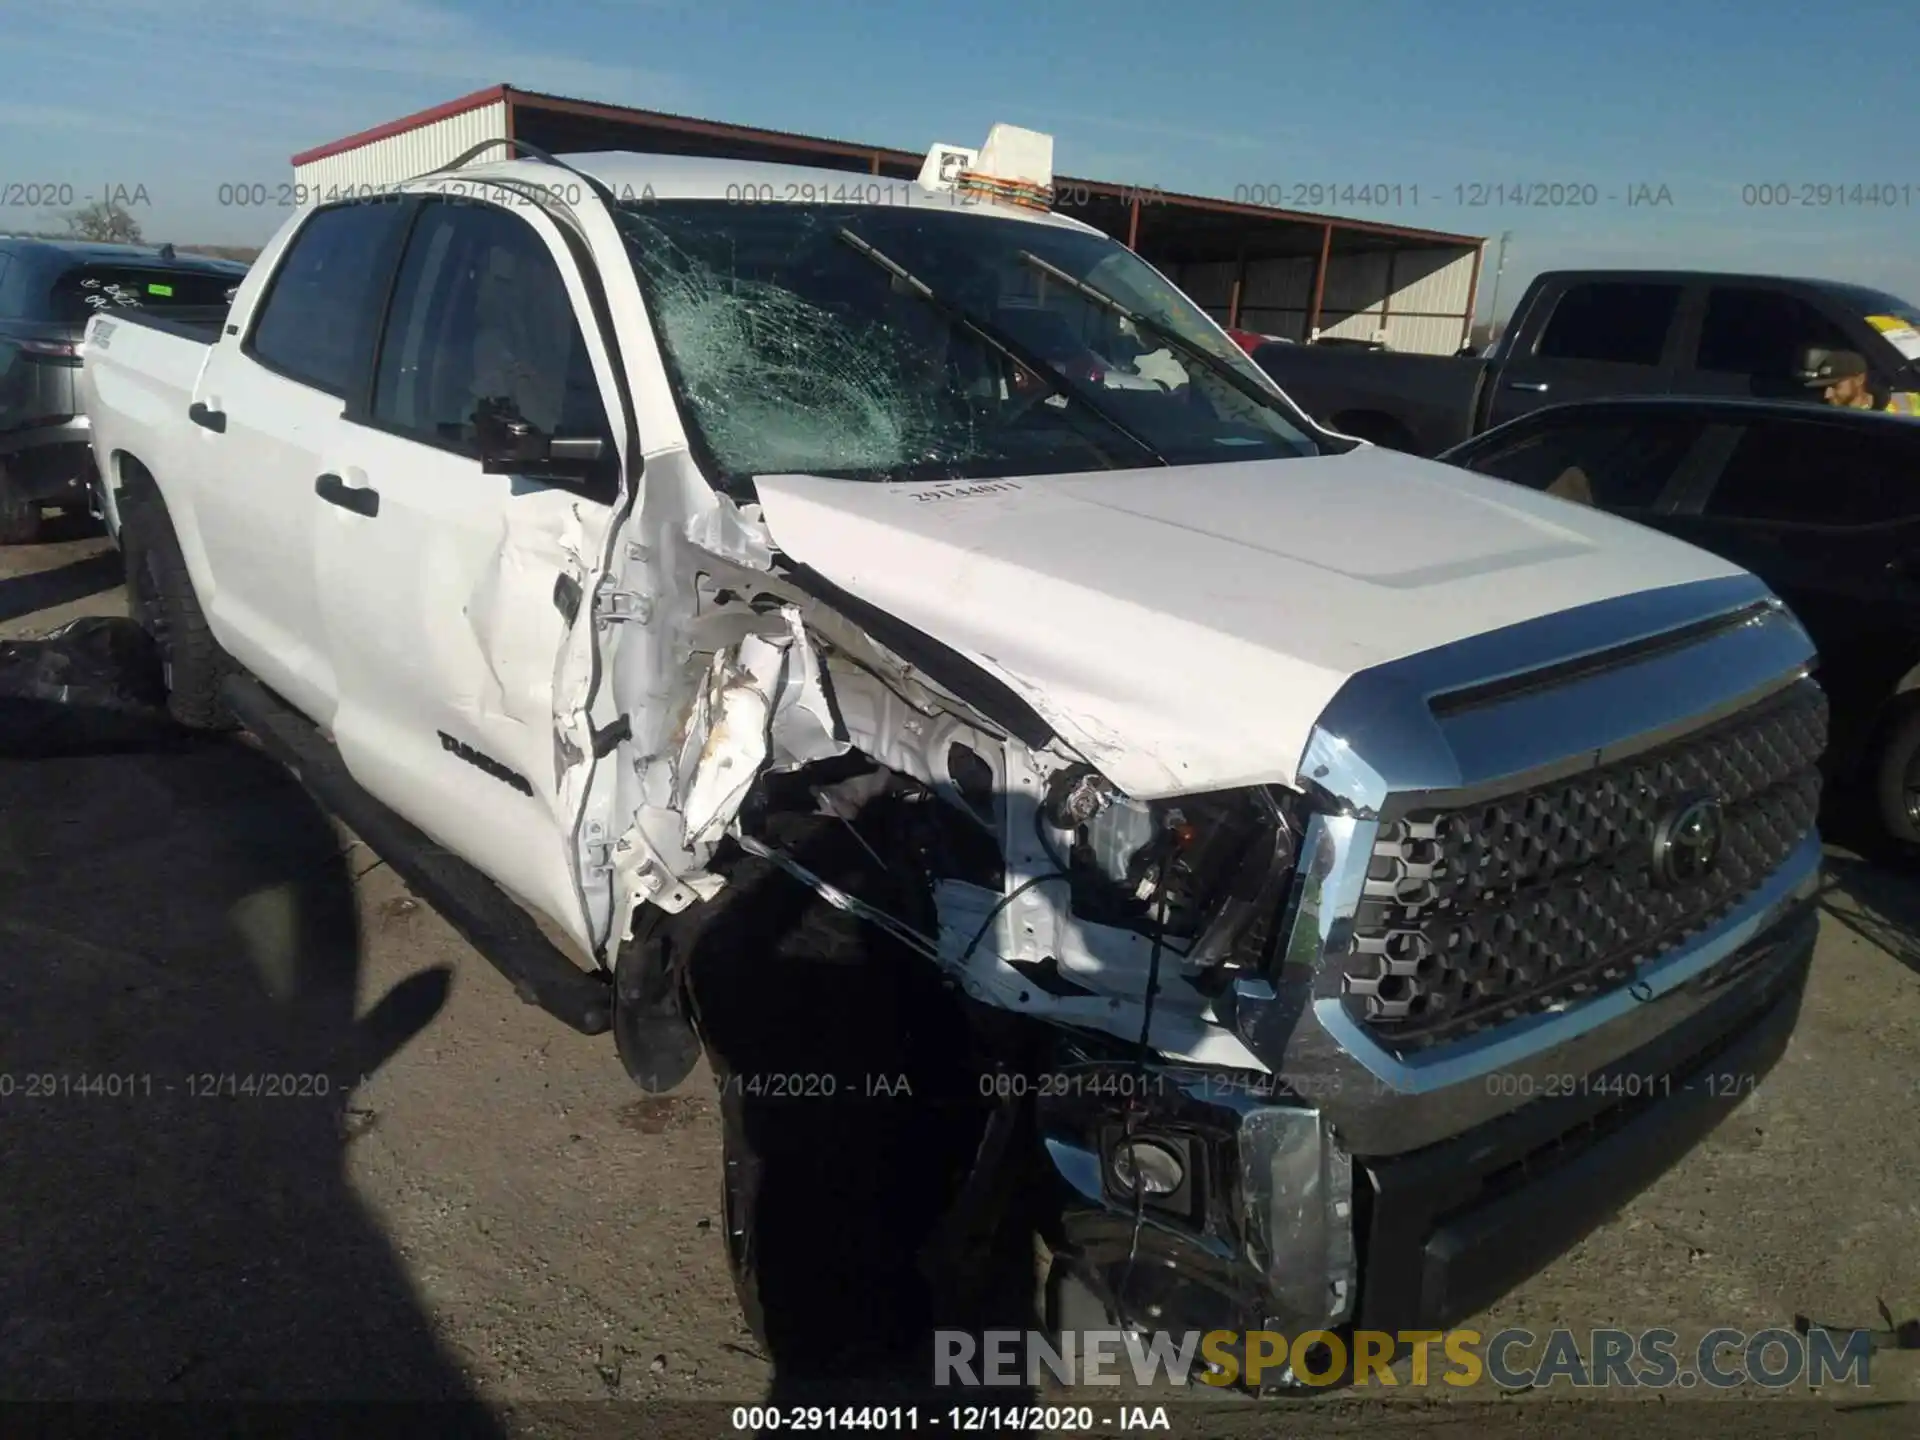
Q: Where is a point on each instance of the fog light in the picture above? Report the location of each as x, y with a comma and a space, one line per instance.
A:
1158, 1168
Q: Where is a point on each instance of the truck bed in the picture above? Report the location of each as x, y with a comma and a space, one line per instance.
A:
137, 383
199, 323
1420, 403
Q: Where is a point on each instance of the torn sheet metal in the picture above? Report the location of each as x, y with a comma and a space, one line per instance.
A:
763, 704
803, 723
736, 533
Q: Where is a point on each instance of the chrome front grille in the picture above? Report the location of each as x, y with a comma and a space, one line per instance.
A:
1477, 915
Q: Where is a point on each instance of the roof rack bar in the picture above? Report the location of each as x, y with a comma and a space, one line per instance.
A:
597, 185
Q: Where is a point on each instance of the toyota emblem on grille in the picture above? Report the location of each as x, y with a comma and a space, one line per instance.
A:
1687, 840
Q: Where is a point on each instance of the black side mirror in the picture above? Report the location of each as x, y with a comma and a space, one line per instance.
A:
510, 444
524, 449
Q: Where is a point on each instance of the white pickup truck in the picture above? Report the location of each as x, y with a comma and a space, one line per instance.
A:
886, 627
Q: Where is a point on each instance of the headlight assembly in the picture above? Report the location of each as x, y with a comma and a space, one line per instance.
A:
1203, 868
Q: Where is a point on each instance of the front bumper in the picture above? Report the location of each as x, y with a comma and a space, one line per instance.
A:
1283, 1229
1450, 1229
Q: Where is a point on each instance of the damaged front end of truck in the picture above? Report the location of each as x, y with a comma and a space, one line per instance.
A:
1268, 966
1276, 821
1093, 938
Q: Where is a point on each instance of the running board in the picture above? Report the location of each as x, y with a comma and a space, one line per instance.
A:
490, 921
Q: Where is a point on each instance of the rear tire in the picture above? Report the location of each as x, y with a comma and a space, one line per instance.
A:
19, 514
160, 598
1897, 783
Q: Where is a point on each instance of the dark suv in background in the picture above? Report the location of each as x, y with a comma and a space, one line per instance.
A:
1821, 503
48, 289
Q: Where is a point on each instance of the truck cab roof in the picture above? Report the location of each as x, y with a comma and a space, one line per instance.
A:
1864, 294
637, 177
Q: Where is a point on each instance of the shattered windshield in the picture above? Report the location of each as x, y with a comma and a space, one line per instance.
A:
794, 350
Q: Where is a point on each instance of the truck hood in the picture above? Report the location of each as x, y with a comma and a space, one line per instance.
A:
1183, 628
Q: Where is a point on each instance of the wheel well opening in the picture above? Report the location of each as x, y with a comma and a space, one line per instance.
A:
853, 1082
130, 474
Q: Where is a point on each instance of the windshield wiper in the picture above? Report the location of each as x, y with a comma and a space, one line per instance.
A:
998, 340
1245, 384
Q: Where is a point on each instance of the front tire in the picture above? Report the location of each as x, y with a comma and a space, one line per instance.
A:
848, 1116
1897, 783
161, 600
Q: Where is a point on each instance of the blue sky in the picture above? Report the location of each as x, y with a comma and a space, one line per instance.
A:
1211, 96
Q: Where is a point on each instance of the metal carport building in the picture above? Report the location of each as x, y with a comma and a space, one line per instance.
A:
1277, 271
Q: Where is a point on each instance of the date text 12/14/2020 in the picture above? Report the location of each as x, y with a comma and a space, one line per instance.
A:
36, 1085
1475, 195
957, 1419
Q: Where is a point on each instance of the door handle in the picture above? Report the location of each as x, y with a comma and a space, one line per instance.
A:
214, 420
335, 491
1537, 387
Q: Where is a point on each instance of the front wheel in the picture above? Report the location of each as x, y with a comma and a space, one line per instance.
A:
848, 1116
1897, 786
161, 600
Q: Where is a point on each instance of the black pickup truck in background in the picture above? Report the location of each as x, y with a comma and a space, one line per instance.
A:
1586, 334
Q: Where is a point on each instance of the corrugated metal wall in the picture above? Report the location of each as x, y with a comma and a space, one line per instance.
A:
403, 156
1417, 296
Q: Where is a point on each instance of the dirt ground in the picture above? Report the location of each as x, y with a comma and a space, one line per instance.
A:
452, 1197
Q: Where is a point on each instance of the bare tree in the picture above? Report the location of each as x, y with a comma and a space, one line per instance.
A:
103, 220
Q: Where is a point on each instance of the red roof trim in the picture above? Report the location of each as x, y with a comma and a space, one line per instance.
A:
690, 124
491, 95
687, 124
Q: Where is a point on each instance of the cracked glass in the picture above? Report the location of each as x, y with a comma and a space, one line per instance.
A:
793, 352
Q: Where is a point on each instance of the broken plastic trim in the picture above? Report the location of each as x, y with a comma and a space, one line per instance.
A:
763, 705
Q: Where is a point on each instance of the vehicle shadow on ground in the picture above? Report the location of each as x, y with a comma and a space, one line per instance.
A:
44, 589
1878, 902
1871, 885
179, 957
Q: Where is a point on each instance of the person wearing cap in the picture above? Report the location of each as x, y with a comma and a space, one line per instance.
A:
1840, 376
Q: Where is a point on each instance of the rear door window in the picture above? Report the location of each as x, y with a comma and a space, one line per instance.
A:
1806, 473
317, 322
81, 291
1617, 463
1752, 331
1612, 322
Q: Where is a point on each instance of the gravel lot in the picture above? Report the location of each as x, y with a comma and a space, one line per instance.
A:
494, 1212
